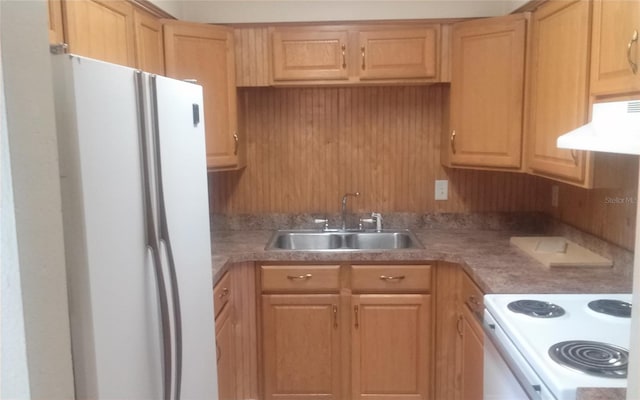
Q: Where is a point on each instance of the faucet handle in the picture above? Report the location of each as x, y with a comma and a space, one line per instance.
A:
366, 221
324, 221
378, 219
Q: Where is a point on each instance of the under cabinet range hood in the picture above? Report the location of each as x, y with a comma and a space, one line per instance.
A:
614, 128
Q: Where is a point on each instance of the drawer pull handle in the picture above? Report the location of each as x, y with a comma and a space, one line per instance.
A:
225, 292
299, 277
391, 278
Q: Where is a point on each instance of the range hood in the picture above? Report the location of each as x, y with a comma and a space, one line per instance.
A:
614, 128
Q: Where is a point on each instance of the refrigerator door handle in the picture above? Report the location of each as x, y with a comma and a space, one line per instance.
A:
151, 237
166, 239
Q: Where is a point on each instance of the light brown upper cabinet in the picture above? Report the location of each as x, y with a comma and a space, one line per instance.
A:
398, 53
310, 54
335, 54
206, 53
56, 29
558, 93
615, 54
101, 29
149, 43
487, 93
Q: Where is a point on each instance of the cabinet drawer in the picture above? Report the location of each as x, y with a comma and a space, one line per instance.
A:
471, 295
391, 278
221, 293
300, 278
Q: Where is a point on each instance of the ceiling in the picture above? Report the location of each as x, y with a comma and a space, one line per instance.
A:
257, 11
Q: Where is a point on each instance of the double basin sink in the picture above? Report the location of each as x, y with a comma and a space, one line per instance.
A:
343, 240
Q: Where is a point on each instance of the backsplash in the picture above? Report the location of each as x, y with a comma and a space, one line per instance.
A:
306, 147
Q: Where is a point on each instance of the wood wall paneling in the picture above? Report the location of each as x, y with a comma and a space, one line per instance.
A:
252, 56
609, 213
306, 147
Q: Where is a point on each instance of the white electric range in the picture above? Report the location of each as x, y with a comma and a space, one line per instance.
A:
545, 339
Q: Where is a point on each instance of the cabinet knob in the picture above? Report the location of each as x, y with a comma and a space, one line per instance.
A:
632, 64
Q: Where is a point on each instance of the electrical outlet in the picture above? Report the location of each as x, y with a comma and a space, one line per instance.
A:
442, 190
555, 195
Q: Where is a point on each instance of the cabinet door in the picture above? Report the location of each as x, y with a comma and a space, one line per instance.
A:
101, 29
309, 53
614, 48
395, 53
558, 93
206, 53
149, 42
391, 347
487, 92
471, 357
301, 346
56, 31
226, 355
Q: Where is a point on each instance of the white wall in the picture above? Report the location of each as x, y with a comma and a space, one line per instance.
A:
39, 261
245, 11
14, 377
173, 7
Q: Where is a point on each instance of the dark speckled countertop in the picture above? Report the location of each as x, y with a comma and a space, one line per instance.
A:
485, 254
488, 257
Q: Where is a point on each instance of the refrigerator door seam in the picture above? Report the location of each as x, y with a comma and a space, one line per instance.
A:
151, 236
166, 239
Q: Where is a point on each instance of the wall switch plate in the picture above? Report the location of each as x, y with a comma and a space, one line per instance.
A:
555, 195
442, 190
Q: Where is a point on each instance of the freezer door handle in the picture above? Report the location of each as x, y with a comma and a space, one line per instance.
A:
151, 236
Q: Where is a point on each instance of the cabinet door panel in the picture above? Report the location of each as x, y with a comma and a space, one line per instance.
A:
389, 54
391, 347
101, 29
614, 22
205, 53
56, 30
226, 354
149, 43
471, 356
558, 95
301, 346
309, 54
487, 92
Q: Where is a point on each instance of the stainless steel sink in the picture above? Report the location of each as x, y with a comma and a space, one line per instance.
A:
343, 241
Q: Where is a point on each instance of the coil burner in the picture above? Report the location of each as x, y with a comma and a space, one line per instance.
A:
616, 308
536, 308
594, 358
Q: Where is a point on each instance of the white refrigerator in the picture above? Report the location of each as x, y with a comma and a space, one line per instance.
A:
136, 227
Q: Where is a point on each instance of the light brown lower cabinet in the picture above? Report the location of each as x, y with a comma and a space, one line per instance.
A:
391, 346
470, 357
225, 354
301, 346
320, 340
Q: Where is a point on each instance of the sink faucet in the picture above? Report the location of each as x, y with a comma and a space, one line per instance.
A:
344, 208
